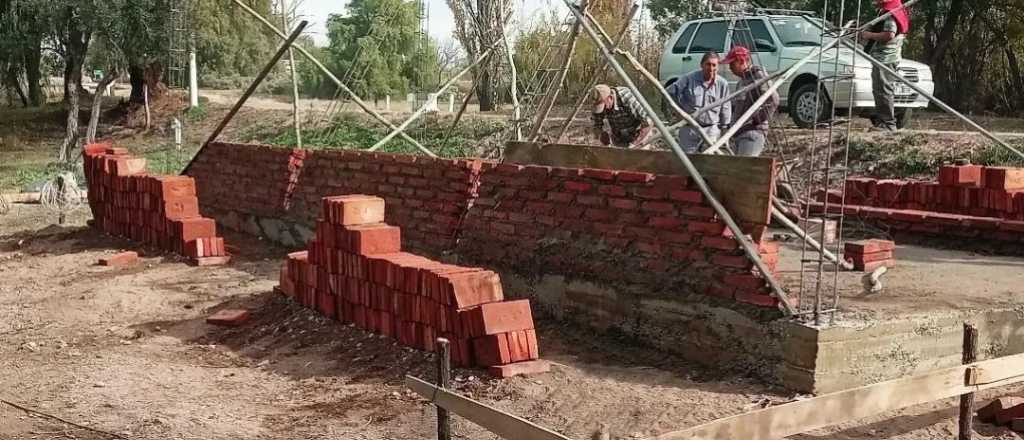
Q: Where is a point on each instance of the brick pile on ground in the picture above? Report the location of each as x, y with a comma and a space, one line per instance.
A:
162, 211
971, 190
868, 255
354, 271
1004, 411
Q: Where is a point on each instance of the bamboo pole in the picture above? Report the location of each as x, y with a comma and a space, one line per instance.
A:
326, 71
552, 96
745, 243
585, 95
295, 79
425, 106
513, 86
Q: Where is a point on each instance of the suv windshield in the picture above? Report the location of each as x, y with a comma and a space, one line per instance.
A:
798, 32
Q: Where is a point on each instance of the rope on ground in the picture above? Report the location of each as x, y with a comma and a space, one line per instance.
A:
66, 422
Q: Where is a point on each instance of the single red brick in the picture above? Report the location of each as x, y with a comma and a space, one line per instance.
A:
189, 229
612, 190
634, 176
706, 228
519, 369
356, 209
210, 261
960, 175
988, 413
723, 243
869, 246
757, 299
687, 196
599, 174
180, 207
745, 281
561, 197
651, 193
468, 289
622, 203
1004, 178
1007, 415
664, 222
229, 317
577, 186
491, 350
590, 200
501, 317
169, 187
869, 258
661, 207
371, 239
737, 261
120, 259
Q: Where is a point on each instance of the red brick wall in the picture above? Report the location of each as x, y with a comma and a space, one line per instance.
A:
649, 231
616, 227
426, 197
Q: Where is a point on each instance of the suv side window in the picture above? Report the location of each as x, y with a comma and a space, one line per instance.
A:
748, 33
710, 36
684, 39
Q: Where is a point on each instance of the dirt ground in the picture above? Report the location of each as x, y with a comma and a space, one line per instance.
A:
127, 352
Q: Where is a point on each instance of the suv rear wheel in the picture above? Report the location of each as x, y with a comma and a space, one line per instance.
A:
802, 106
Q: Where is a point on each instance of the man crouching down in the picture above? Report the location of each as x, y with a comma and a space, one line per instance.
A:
628, 123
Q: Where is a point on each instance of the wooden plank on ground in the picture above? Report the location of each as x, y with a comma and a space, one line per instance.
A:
743, 184
497, 421
801, 416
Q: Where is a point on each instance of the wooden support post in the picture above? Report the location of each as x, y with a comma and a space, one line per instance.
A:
295, 79
444, 381
967, 400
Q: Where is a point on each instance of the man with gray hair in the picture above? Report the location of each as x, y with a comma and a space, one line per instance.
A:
629, 124
697, 90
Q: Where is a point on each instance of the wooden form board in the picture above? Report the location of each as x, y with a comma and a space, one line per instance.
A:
499, 422
781, 421
745, 185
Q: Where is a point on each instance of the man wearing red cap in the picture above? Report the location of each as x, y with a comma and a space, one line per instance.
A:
750, 139
885, 44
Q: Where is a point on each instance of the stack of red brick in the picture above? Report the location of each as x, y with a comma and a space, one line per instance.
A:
1004, 411
868, 255
162, 211
354, 271
972, 190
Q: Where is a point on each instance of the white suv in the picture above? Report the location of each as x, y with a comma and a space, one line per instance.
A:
779, 41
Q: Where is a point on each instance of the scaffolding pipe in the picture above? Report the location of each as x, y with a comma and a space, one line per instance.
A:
513, 85
597, 75
549, 102
329, 74
423, 108
745, 243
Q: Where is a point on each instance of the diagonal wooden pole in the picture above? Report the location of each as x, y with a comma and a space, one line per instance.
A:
552, 95
424, 107
585, 95
248, 92
355, 98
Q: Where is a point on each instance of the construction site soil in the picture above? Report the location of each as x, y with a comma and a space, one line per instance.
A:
127, 351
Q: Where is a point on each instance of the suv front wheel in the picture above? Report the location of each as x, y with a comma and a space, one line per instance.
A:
802, 106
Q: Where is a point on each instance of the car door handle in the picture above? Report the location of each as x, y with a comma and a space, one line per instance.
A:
687, 58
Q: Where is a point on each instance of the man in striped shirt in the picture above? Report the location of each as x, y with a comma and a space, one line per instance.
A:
628, 122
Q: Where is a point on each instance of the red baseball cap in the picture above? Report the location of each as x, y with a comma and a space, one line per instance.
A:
737, 53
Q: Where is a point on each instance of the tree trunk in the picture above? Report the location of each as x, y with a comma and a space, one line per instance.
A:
14, 83
151, 75
78, 44
485, 90
97, 103
33, 73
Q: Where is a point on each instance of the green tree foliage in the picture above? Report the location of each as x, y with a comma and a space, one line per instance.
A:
378, 50
228, 40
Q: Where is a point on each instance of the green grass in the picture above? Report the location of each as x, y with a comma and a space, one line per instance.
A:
167, 159
910, 156
353, 132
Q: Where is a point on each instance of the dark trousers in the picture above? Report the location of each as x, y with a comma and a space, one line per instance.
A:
883, 87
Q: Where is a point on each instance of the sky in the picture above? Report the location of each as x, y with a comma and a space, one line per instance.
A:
440, 22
